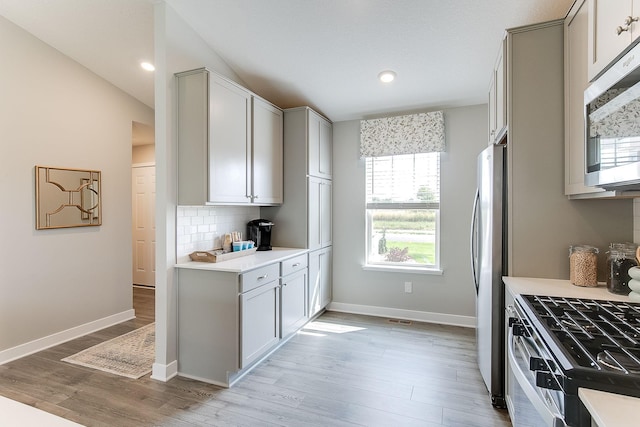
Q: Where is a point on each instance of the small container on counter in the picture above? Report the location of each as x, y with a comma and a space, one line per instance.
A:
621, 257
583, 265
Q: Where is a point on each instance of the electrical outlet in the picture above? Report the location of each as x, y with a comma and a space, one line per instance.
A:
408, 287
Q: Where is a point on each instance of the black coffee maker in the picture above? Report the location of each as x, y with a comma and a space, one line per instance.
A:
259, 230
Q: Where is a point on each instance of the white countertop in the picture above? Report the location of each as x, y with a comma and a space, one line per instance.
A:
558, 288
610, 410
606, 409
245, 263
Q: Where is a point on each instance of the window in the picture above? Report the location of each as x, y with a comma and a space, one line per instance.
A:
403, 210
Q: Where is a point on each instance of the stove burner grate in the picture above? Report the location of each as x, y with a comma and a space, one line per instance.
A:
618, 361
599, 335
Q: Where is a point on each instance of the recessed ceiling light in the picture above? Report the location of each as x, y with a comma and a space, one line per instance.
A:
147, 66
387, 76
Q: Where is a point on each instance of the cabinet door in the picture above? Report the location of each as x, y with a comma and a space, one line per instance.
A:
320, 280
260, 318
319, 140
326, 192
635, 26
492, 108
604, 42
319, 229
229, 142
267, 153
315, 298
192, 109
575, 82
314, 237
325, 150
498, 98
294, 302
326, 276
501, 94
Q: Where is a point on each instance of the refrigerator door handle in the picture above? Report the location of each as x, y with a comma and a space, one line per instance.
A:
474, 238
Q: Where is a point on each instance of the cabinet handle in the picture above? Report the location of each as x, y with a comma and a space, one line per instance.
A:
255, 197
627, 24
621, 30
263, 277
296, 264
284, 284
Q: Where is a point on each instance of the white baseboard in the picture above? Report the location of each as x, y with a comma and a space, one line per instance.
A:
397, 313
164, 372
43, 343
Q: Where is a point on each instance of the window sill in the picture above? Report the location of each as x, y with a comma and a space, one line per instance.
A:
398, 269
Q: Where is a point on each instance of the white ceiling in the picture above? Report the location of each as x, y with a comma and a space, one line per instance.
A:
323, 53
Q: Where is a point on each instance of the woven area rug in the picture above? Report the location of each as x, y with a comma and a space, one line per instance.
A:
130, 355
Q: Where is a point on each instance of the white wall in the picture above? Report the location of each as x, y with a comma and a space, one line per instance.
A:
448, 298
54, 112
143, 154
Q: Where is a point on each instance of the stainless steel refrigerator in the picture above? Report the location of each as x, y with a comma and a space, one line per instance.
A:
488, 254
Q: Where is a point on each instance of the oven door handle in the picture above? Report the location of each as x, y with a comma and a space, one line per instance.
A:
552, 418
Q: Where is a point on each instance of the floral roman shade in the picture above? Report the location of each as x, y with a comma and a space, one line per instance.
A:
410, 134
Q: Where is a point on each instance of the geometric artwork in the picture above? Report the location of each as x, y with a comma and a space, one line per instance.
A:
67, 198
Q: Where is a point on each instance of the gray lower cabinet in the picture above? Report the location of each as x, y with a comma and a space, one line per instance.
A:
208, 325
228, 321
260, 319
319, 280
293, 295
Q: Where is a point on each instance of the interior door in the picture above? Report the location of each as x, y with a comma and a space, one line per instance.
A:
143, 225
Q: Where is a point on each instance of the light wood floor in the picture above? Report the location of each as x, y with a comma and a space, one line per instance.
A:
341, 370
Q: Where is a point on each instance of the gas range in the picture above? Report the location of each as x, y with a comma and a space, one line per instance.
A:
596, 343
573, 342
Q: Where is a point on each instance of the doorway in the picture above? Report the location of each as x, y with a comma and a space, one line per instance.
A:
143, 179
143, 199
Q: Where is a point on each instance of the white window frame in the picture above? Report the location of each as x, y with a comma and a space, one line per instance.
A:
402, 266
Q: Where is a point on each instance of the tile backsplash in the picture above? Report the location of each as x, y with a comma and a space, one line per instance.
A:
201, 228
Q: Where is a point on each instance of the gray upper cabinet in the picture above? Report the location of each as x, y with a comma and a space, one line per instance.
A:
320, 137
229, 143
613, 26
497, 98
266, 166
575, 82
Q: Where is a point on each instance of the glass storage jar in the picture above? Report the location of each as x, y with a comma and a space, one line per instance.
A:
583, 265
622, 256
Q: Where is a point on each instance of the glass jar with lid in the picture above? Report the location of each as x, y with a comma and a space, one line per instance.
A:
621, 257
583, 265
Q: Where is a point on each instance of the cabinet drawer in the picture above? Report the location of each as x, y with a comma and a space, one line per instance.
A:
294, 264
258, 277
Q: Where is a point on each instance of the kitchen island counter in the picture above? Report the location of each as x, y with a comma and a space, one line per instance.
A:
606, 409
245, 263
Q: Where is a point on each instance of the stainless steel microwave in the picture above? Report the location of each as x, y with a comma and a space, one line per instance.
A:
612, 126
